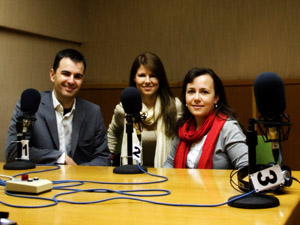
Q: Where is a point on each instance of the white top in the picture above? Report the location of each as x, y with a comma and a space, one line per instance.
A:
195, 151
64, 128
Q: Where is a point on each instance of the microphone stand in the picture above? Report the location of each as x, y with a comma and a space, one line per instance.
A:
130, 168
22, 161
254, 200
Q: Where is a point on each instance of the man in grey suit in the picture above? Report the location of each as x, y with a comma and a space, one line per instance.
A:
68, 129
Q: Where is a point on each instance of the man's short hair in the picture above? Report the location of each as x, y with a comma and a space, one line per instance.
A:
73, 54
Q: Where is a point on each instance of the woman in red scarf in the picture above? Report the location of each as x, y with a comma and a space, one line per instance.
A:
209, 135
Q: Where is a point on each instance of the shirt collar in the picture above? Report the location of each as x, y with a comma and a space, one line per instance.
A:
57, 104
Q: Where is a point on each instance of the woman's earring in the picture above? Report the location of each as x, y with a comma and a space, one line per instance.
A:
216, 105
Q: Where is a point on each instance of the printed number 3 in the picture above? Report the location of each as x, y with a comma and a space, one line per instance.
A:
267, 179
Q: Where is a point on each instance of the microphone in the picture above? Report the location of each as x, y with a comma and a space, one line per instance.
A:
132, 103
269, 95
30, 101
131, 100
271, 103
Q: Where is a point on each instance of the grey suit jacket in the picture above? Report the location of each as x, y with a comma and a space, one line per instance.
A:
89, 139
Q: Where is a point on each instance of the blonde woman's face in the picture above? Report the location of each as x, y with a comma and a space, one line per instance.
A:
146, 82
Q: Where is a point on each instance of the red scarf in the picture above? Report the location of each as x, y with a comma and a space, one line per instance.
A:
212, 125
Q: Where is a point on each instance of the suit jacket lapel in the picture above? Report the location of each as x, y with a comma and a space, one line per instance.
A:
47, 109
78, 119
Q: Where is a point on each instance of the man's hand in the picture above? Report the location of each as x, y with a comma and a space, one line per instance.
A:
70, 161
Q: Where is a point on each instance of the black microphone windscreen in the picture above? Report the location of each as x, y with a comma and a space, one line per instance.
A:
131, 100
269, 94
30, 100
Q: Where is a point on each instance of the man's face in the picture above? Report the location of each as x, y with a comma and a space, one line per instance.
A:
67, 80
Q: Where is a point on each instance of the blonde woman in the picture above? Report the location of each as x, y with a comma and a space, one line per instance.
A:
159, 104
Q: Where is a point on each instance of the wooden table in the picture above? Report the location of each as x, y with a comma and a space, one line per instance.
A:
187, 186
